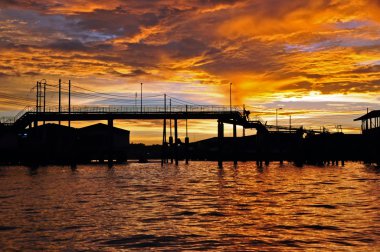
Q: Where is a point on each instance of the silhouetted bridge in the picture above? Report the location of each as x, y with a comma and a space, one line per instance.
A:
32, 117
29, 117
41, 113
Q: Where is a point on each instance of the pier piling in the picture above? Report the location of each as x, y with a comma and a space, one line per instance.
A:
186, 143
176, 141
171, 146
220, 143
187, 150
110, 143
164, 144
234, 144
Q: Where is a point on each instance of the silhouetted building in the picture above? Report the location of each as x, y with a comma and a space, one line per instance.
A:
371, 135
58, 144
98, 141
9, 144
370, 122
49, 143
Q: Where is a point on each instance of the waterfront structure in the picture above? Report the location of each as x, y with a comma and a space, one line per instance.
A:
370, 122
99, 142
370, 125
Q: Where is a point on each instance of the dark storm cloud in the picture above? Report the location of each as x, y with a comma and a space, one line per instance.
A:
27, 4
32, 28
250, 56
4, 75
53, 29
178, 4
68, 45
147, 55
312, 76
348, 86
367, 69
185, 48
77, 46
7, 43
115, 23
31, 73
302, 85
133, 73
6, 68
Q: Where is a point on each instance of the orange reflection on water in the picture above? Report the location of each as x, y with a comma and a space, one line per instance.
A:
146, 206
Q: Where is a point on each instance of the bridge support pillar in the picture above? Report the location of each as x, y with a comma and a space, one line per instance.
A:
220, 143
110, 143
234, 144
176, 141
164, 145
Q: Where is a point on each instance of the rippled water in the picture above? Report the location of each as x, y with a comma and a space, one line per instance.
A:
149, 207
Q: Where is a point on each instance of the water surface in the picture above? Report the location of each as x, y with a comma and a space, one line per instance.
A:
190, 207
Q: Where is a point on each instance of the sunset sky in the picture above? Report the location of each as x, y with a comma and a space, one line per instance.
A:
319, 60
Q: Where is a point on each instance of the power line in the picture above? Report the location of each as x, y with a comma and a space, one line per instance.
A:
97, 94
101, 93
4, 95
183, 101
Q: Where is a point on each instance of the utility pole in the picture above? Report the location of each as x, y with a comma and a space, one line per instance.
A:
230, 96
186, 142
141, 97
277, 117
38, 102
290, 123
171, 136
170, 111
44, 100
186, 121
163, 158
69, 102
246, 116
59, 101
38, 85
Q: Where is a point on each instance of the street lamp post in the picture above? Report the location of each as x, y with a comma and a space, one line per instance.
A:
277, 117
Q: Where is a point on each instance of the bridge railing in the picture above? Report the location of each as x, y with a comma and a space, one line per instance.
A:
7, 120
213, 109
257, 119
12, 119
143, 109
22, 112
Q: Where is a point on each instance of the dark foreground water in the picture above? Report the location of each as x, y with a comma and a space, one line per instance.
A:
196, 207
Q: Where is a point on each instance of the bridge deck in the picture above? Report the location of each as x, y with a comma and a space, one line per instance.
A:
227, 114
84, 116
87, 113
